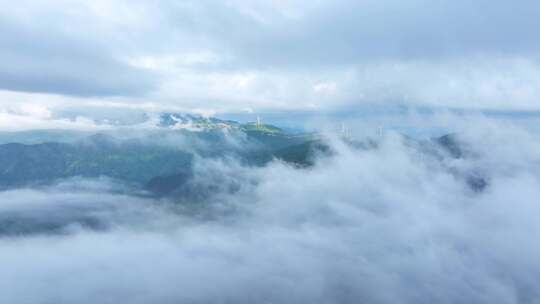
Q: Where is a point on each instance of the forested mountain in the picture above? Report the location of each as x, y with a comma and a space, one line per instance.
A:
161, 160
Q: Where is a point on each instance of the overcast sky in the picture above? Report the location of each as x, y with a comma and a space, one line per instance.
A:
232, 55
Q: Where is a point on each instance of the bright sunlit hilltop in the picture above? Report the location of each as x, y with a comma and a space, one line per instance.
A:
201, 123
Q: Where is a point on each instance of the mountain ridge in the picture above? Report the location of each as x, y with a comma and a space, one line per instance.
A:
162, 160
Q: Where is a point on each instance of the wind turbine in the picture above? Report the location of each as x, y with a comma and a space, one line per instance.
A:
380, 131
345, 131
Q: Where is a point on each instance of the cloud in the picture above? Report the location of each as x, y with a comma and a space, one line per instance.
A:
343, 32
384, 225
217, 56
71, 206
34, 116
47, 49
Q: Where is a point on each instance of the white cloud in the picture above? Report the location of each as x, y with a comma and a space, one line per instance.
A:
17, 122
325, 87
381, 226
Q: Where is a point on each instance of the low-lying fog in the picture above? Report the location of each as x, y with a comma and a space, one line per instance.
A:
386, 225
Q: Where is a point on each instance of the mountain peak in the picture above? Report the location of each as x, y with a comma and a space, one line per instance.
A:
195, 122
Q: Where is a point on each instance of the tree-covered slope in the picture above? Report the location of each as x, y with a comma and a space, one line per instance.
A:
22, 164
161, 160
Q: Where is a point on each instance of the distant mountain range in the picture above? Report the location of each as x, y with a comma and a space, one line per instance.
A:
161, 160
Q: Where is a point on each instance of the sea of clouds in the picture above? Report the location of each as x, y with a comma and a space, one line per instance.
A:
384, 225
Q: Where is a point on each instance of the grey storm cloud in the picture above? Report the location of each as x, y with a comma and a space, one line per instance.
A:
380, 226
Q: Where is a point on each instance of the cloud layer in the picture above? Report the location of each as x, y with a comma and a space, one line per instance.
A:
255, 55
383, 226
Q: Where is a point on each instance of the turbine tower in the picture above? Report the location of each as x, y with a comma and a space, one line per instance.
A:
345, 133
380, 131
